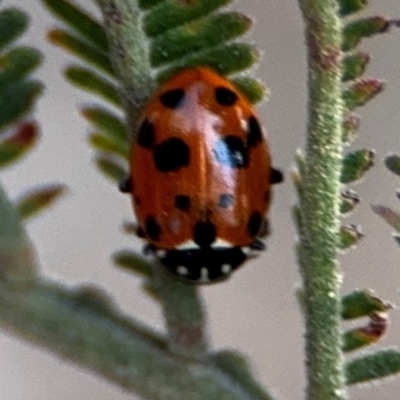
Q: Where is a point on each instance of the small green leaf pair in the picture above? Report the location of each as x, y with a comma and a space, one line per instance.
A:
375, 365
356, 93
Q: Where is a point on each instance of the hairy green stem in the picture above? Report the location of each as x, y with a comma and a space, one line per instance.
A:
129, 54
184, 316
320, 201
83, 327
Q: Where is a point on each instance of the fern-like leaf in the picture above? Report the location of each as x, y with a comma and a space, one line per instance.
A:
179, 35
19, 91
357, 91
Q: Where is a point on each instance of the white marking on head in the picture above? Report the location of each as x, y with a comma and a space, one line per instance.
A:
161, 253
221, 243
204, 274
226, 269
191, 245
188, 245
181, 270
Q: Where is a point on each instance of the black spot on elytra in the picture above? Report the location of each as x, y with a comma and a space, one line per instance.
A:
152, 228
254, 132
225, 200
231, 151
204, 233
276, 176
182, 202
254, 224
225, 96
172, 98
146, 136
171, 155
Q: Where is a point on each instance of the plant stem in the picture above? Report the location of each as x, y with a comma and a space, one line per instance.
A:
184, 316
83, 327
320, 200
129, 55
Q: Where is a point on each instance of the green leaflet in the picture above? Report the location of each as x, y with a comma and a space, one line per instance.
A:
356, 164
89, 80
17, 99
111, 168
359, 29
18, 63
361, 303
81, 49
350, 127
365, 335
145, 4
373, 366
361, 92
18, 91
107, 122
198, 35
169, 14
354, 65
350, 201
107, 144
392, 163
350, 235
18, 143
253, 89
129, 260
80, 21
38, 199
13, 23
348, 7
226, 60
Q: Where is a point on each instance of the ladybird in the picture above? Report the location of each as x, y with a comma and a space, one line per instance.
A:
201, 176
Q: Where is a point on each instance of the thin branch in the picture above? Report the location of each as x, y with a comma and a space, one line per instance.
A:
184, 316
83, 327
129, 54
320, 201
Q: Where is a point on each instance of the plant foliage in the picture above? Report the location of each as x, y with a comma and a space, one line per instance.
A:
358, 91
178, 36
175, 35
19, 91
